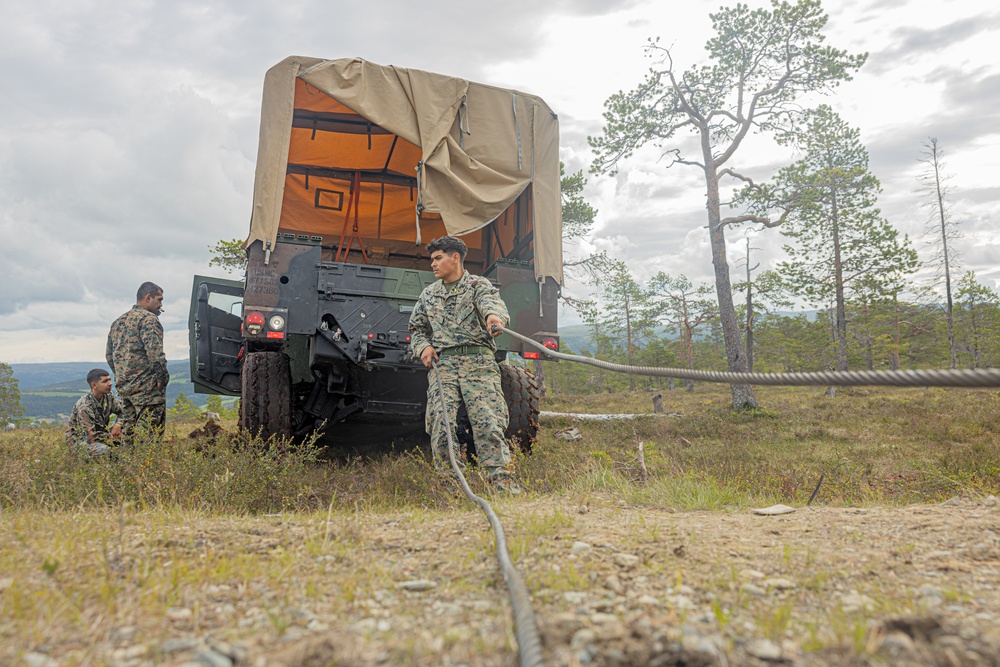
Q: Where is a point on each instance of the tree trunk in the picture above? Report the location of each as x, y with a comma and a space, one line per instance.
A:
743, 396
628, 342
539, 371
949, 312
749, 350
838, 268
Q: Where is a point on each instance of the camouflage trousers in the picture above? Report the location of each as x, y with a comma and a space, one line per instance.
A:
473, 379
95, 449
142, 419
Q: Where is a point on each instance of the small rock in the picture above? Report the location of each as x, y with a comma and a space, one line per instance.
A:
601, 619
951, 502
580, 547
751, 589
5, 583
929, 590
751, 574
448, 609
780, 584
582, 639
417, 585
583, 509
571, 434
383, 626
773, 510
317, 626
36, 659
626, 561
695, 643
179, 614
231, 651
896, 643
648, 601
613, 584
126, 633
855, 601
213, 658
129, 653
574, 597
365, 626
176, 644
991, 501
680, 602
565, 625
764, 649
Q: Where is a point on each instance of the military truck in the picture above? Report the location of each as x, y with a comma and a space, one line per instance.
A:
359, 166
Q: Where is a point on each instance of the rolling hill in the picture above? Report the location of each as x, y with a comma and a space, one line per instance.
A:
49, 391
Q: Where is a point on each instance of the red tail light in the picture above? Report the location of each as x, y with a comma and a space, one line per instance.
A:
532, 355
255, 318
551, 343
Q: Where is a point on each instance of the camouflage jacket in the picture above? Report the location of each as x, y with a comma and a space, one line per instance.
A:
451, 316
89, 420
135, 355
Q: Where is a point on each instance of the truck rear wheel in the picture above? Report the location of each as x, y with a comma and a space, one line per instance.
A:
266, 403
521, 391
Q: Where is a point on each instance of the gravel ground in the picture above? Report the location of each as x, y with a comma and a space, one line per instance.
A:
611, 585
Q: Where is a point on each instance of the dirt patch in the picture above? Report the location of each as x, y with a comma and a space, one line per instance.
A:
611, 585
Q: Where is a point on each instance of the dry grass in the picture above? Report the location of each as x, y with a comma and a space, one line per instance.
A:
237, 529
873, 446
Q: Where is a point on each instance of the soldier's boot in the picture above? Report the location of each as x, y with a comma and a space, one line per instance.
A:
505, 485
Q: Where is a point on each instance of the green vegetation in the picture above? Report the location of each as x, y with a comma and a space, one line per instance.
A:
194, 525
873, 446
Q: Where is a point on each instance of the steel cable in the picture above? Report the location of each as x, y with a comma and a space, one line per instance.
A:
529, 642
988, 377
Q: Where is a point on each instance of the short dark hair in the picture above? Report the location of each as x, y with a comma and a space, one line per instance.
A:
96, 374
147, 289
449, 245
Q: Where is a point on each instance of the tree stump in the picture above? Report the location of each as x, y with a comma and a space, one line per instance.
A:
658, 403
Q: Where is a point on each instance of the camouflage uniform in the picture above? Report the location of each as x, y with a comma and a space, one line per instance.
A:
135, 355
452, 319
89, 423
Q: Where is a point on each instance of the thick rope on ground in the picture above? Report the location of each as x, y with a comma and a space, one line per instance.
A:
988, 377
529, 642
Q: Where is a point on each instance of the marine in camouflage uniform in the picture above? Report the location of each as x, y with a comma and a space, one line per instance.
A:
135, 354
449, 323
90, 428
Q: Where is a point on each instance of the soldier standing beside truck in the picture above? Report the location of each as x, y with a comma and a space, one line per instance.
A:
452, 324
135, 355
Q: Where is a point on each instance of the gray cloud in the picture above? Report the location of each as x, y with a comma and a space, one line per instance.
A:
128, 135
909, 42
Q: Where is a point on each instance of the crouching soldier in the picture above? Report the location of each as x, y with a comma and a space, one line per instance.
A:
89, 430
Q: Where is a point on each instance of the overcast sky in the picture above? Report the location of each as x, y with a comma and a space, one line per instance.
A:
128, 130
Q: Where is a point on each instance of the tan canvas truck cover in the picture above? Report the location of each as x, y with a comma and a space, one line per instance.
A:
417, 155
